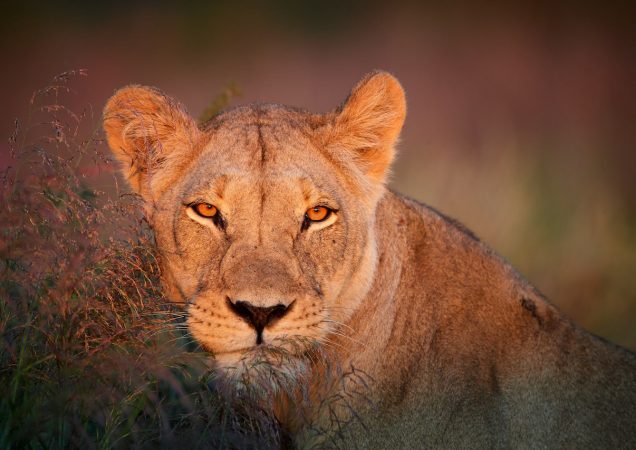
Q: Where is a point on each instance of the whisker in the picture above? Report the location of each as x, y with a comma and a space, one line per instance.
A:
329, 343
355, 341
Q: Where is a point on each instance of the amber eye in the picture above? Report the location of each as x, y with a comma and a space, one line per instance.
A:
205, 210
318, 213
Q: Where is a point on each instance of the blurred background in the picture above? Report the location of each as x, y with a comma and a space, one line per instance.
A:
521, 118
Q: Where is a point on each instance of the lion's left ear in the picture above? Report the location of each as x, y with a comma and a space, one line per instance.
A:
369, 123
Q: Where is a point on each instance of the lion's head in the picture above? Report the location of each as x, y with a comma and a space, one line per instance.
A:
263, 217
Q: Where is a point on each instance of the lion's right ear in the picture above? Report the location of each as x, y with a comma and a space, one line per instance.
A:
146, 131
368, 124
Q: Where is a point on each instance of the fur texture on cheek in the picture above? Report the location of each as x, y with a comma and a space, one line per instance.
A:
343, 260
190, 254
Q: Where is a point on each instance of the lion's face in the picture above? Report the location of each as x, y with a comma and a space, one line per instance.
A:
264, 220
260, 271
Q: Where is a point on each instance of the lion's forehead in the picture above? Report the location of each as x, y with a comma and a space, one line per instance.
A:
257, 143
252, 158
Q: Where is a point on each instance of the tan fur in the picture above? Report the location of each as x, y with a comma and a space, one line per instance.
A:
457, 349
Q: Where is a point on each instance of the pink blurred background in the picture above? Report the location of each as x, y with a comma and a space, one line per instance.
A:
521, 117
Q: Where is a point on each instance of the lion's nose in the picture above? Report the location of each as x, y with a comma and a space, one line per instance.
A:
257, 316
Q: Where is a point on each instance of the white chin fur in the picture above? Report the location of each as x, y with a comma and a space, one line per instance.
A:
229, 360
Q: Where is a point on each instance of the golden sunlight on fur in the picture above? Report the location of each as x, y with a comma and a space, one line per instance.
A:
293, 259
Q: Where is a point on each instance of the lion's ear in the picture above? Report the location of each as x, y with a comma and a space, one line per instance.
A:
146, 131
369, 122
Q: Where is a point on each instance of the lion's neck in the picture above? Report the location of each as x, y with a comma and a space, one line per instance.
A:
365, 336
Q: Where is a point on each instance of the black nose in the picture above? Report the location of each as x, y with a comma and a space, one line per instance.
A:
257, 316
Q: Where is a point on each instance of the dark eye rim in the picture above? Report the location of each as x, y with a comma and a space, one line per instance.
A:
307, 221
217, 219
194, 208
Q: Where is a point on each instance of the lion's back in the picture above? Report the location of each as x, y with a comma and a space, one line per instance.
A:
490, 362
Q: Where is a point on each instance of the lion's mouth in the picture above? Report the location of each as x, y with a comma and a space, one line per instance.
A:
260, 351
282, 355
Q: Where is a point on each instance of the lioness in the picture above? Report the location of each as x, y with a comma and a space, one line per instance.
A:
275, 227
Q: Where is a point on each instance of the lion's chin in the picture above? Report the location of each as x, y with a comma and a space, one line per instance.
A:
262, 370
232, 360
